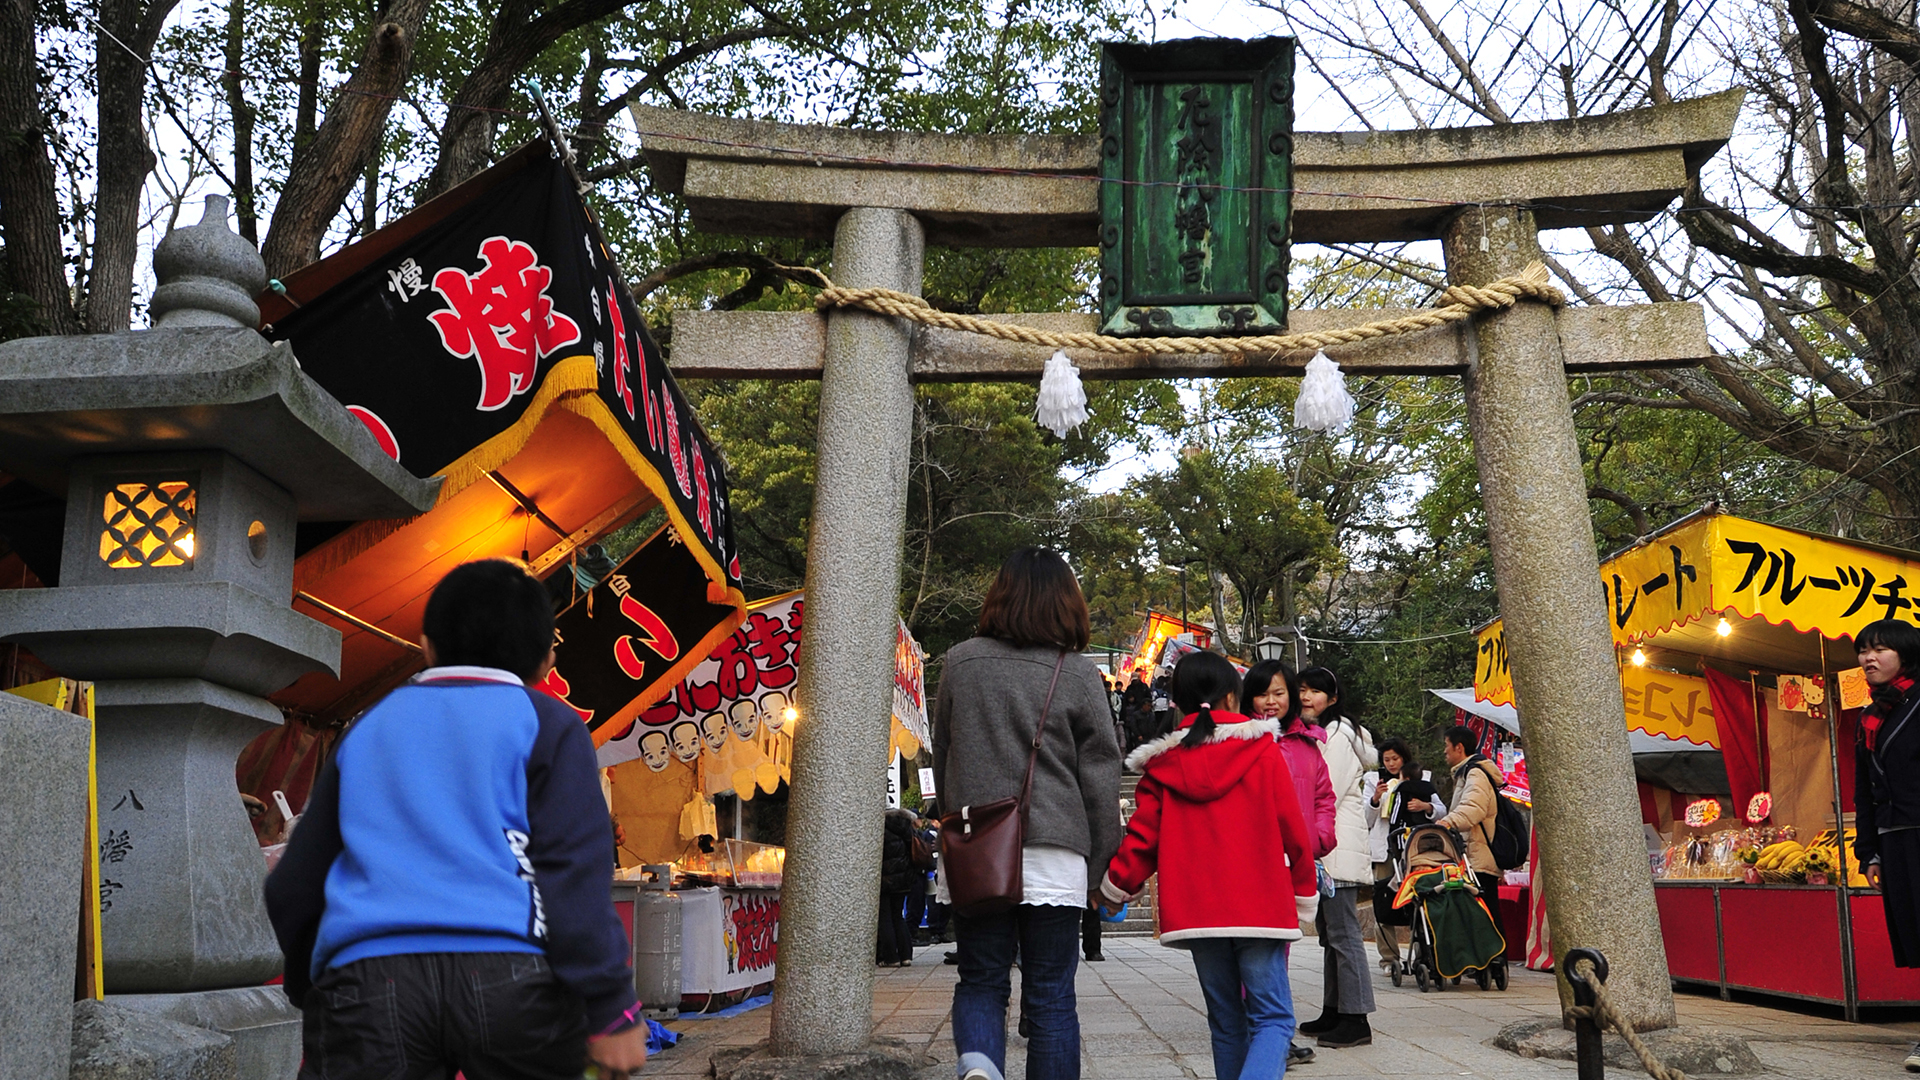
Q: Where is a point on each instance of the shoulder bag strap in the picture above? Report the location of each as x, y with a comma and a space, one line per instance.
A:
1026, 787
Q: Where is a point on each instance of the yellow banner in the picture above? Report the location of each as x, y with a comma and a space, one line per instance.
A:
1808, 582
1662, 703
1492, 681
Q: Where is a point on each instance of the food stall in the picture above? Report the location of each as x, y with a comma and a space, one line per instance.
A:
1733, 637
689, 773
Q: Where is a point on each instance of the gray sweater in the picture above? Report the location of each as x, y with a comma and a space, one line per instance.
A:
984, 716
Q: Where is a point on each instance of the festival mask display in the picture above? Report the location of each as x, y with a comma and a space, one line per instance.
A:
653, 750
773, 711
713, 729
745, 718
686, 740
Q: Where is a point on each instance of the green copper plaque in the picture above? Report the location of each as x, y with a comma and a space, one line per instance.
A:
1196, 164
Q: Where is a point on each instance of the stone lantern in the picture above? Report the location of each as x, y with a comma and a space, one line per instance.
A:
186, 454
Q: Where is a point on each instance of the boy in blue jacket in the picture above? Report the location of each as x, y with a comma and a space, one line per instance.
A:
444, 903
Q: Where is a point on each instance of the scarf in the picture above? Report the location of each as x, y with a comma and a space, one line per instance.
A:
1885, 699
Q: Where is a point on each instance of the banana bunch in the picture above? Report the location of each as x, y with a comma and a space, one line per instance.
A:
1785, 856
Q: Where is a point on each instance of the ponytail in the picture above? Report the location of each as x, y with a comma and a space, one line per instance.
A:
1202, 728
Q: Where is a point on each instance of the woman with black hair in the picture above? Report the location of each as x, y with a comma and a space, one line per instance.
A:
1348, 991
1886, 784
1218, 820
1401, 799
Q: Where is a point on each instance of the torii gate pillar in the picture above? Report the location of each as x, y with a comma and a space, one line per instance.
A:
1559, 648
823, 992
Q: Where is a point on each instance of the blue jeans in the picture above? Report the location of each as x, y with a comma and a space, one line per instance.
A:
1047, 941
1251, 1030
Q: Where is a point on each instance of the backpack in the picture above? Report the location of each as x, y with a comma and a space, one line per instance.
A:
1508, 841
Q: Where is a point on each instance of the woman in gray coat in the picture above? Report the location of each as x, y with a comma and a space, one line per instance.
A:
992, 689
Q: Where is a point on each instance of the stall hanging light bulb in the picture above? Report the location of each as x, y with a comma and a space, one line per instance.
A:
791, 714
1724, 629
1639, 658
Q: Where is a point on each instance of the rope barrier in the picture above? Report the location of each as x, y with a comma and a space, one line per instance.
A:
1604, 1013
1457, 303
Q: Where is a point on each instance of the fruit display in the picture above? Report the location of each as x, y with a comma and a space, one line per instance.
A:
1782, 861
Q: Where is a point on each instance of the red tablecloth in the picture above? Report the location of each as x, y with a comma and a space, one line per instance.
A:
1515, 903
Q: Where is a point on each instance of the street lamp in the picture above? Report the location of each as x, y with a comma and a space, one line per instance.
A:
1270, 648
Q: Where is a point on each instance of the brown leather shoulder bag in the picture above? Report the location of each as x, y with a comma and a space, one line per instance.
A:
981, 845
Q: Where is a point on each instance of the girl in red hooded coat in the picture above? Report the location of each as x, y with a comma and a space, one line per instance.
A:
1218, 818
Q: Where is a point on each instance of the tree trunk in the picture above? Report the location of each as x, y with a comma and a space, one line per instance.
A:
29, 206
243, 205
125, 159
370, 198
466, 143
345, 144
521, 31
306, 109
1217, 596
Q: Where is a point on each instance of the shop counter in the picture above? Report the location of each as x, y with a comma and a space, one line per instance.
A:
728, 940
1784, 940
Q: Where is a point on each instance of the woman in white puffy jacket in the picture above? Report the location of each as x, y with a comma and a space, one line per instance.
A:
1348, 996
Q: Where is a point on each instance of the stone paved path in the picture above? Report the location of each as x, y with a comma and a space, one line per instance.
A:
1142, 1017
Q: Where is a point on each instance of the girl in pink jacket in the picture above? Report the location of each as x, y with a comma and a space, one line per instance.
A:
1270, 693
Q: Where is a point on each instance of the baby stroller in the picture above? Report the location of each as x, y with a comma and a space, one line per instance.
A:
1454, 931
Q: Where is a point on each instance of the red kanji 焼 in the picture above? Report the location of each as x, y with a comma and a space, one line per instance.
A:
502, 318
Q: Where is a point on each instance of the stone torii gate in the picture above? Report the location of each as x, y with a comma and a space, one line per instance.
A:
1483, 192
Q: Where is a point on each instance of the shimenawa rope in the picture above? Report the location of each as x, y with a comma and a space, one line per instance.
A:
1456, 304
1604, 1013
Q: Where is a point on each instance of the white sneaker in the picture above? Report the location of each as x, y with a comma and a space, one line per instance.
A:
1913, 1059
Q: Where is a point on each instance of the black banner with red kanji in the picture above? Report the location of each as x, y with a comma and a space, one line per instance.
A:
646, 619
440, 331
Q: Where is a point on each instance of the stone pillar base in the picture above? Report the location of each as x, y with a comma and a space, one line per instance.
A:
262, 1024
882, 1059
1694, 1052
112, 1043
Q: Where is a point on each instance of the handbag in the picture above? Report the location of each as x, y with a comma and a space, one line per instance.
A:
982, 845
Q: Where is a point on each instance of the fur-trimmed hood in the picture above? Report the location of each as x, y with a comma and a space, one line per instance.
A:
1205, 772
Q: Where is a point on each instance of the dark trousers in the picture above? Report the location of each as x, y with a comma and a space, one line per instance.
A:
1090, 933
1043, 939
936, 919
896, 940
491, 1016
916, 908
1900, 893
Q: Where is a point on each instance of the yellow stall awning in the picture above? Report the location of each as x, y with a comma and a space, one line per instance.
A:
1785, 597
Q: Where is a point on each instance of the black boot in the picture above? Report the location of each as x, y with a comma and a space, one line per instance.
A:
1327, 1022
1353, 1030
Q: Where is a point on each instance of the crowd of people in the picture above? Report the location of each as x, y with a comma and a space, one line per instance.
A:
1254, 789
